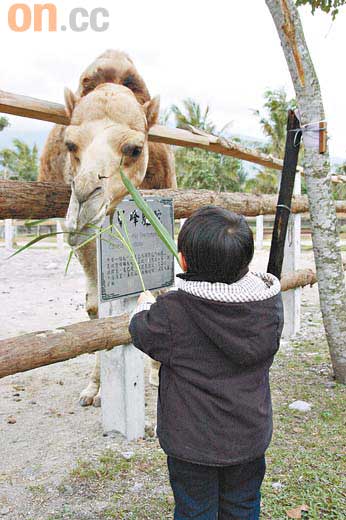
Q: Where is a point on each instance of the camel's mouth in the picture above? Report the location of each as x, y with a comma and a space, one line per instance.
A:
82, 217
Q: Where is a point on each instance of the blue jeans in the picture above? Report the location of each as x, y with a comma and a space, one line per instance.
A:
216, 493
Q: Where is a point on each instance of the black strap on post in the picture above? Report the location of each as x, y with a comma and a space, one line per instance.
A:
283, 209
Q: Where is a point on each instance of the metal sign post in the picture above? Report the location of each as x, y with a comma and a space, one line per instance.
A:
122, 369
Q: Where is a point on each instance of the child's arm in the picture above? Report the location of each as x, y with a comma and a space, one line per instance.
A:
149, 328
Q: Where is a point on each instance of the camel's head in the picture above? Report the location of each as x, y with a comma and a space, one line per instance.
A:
113, 67
108, 131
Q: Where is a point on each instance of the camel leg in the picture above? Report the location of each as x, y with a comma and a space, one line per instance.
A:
154, 372
87, 258
54, 168
161, 154
91, 394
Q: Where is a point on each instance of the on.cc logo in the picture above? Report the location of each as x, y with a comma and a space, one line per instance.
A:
22, 18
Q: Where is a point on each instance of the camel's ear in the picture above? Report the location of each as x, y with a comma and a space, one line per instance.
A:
70, 101
152, 109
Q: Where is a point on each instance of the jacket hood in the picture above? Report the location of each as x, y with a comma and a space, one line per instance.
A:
243, 319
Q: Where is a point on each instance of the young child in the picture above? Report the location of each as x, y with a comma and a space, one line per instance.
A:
215, 338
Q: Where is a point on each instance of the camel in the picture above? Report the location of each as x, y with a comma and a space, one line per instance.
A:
111, 114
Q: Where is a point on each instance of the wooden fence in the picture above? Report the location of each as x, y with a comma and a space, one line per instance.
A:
38, 200
44, 200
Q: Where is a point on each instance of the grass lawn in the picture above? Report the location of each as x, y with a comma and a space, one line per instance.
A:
308, 453
306, 460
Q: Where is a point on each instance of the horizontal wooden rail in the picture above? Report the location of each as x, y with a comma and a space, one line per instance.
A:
300, 278
24, 106
37, 349
25, 200
33, 108
338, 179
36, 200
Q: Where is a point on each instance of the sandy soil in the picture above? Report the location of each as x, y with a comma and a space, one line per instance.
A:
43, 430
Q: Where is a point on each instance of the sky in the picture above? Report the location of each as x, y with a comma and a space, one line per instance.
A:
224, 54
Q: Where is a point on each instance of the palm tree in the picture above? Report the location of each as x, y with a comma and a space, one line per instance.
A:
274, 120
193, 115
199, 168
3, 123
274, 124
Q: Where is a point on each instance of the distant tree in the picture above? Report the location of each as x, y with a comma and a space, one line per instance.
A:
341, 169
264, 182
20, 163
193, 115
201, 169
273, 120
3, 123
339, 190
164, 116
327, 6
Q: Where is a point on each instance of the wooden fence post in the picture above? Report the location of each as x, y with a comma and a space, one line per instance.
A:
287, 182
285, 246
122, 381
59, 238
259, 231
292, 298
9, 235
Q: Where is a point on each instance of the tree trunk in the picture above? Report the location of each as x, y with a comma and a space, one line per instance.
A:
325, 236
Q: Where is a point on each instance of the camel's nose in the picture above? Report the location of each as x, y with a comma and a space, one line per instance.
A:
84, 190
86, 207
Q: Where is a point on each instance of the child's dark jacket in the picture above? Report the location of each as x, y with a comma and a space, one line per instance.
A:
216, 347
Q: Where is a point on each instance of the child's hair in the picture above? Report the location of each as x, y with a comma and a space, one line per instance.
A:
217, 245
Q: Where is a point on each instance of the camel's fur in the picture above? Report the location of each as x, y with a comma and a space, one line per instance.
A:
104, 117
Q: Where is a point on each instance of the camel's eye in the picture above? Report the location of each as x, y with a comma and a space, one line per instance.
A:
132, 150
72, 147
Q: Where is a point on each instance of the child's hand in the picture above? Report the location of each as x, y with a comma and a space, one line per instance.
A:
145, 297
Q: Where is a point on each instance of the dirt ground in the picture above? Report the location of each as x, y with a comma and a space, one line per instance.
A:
43, 430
